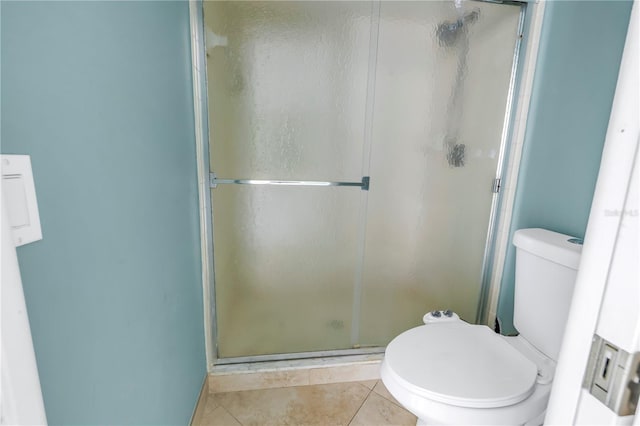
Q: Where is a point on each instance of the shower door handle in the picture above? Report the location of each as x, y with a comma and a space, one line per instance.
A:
214, 181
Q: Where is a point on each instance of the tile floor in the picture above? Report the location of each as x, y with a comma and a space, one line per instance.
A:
351, 403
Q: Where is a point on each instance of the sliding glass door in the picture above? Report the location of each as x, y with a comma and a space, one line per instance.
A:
353, 150
442, 89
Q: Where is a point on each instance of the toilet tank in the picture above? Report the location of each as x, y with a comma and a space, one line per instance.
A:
546, 267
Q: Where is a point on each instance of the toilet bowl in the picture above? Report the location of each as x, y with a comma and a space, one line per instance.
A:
467, 374
451, 372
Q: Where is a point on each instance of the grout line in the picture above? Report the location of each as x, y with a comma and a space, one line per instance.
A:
361, 405
220, 405
229, 413
396, 403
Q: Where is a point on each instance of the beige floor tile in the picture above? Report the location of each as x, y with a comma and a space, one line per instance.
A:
377, 410
330, 404
381, 390
211, 404
208, 406
219, 417
369, 383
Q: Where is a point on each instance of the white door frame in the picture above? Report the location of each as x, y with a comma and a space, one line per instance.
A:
607, 293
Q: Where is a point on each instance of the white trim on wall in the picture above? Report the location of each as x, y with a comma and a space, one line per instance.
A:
20, 392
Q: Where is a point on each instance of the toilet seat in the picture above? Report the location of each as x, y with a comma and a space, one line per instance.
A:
461, 364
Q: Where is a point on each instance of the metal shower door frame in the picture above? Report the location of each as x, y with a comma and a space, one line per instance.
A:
205, 179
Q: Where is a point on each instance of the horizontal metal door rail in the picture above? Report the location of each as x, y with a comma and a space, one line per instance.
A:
214, 181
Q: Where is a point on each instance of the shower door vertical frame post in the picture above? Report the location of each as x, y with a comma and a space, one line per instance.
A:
201, 121
481, 312
374, 36
532, 16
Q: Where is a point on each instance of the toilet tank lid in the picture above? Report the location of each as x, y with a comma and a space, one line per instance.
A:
549, 245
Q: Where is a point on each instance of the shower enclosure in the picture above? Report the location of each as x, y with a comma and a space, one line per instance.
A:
355, 156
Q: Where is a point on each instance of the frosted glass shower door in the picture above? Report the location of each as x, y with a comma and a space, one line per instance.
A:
442, 85
413, 94
287, 84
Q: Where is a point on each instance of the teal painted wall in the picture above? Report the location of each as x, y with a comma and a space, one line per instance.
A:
99, 94
580, 51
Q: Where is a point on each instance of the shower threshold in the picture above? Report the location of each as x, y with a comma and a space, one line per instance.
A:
295, 372
298, 356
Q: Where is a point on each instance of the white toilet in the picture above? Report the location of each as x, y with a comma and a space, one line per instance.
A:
452, 372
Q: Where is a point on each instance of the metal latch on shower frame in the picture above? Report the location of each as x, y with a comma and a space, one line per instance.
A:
495, 186
613, 376
214, 181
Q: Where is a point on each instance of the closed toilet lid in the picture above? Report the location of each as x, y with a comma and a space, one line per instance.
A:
461, 364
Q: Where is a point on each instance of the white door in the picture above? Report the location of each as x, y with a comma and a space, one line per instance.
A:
606, 302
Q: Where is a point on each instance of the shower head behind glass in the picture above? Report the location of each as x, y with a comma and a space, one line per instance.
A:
448, 32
